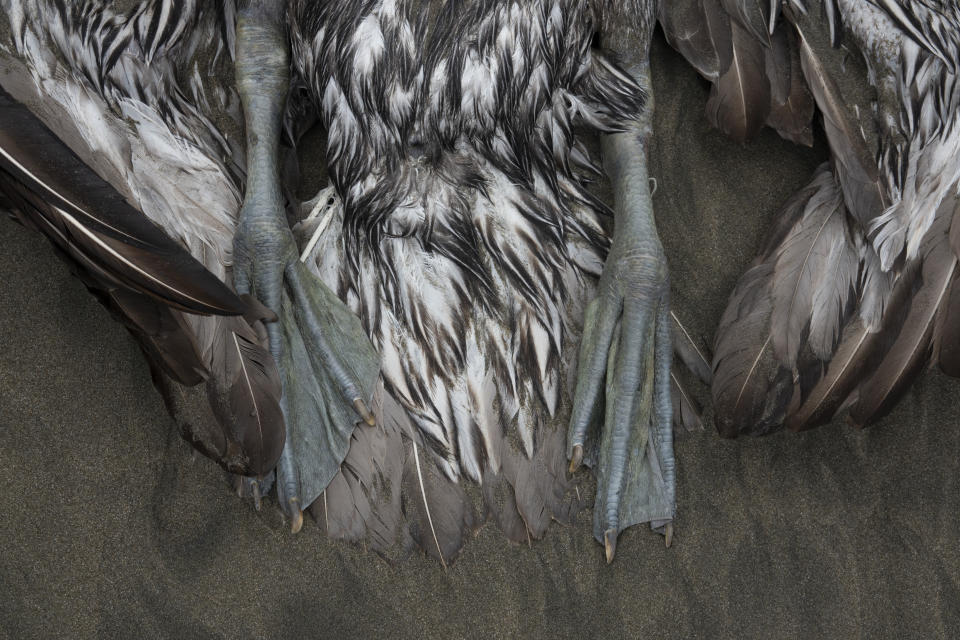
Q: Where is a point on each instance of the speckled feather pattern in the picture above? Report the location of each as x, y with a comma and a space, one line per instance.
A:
149, 131
467, 241
467, 227
85, 56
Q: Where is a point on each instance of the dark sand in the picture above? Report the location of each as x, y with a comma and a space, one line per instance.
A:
109, 529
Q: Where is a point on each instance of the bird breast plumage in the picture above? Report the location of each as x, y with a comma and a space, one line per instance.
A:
466, 238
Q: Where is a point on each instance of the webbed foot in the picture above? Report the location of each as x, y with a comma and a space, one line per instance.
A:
626, 352
327, 365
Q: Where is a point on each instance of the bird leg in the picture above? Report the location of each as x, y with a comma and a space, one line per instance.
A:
626, 350
327, 365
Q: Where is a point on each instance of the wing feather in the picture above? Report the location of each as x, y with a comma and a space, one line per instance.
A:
84, 215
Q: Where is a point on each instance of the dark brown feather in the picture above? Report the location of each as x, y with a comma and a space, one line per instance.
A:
854, 163
740, 99
791, 104
163, 335
911, 350
244, 391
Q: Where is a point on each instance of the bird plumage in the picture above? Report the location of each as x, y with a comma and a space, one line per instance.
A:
466, 240
108, 84
461, 232
852, 294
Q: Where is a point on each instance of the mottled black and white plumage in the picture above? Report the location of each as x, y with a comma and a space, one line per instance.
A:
466, 240
458, 228
466, 226
854, 291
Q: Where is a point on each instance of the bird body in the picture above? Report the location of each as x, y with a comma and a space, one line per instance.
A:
466, 241
467, 230
459, 230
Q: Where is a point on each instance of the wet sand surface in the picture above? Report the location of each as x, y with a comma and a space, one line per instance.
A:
110, 527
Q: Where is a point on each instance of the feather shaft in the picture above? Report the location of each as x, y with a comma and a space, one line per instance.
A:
426, 504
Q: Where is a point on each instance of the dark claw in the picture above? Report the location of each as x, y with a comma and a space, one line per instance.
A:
247, 487
364, 412
610, 544
296, 516
257, 498
577, 458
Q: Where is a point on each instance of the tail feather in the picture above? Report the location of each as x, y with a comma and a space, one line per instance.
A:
788, 312
947, 333
362, 504
754, 69
750, 389
439, 513
911, 350
500, 500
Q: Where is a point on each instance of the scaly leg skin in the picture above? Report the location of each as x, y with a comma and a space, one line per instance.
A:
626, 346
328, 368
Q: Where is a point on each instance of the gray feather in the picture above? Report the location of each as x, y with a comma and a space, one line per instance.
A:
691, 354
750, 389
911, 350
740, 100
856, 168
860, 351
815, 274
752, 15
791, 104
687, 30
